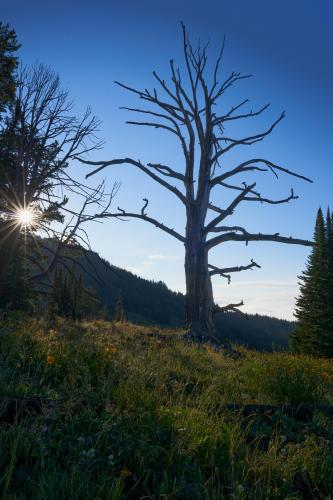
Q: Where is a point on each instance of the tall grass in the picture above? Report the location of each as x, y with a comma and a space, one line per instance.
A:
140, 414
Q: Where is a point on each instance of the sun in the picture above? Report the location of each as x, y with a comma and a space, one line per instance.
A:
25, 217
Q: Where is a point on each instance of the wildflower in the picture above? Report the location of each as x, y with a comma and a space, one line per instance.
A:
89, 453
240, 488
111, 459
50, 360
111, 349
81, 439
125, 472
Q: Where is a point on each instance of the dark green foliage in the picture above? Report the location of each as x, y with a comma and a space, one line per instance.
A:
12, 277
329, 332
255, 331
314, 306
68, 294
120, 311
8, 65
15, 289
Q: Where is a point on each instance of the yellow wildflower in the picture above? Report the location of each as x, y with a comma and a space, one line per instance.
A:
125, 472
50, 360
111, 349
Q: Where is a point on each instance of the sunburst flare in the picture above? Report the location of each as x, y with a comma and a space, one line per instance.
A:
26, 217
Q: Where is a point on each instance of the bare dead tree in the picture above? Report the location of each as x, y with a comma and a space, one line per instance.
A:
189, 111
38, 143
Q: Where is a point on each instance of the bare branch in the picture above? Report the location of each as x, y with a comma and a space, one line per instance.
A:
165, 117
122, 213
154, 125
257, 196
225, 272
232, 236
250, 165
230, 209
228, 117
247, 141
234, 77
147, 96
140, 166
144, 206
229, 307
168, 171
217, 64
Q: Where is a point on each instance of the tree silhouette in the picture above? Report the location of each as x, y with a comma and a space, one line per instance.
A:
8, 65
314, 331
188, 109
39, 139
119, 314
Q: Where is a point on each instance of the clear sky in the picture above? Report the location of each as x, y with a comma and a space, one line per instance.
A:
286, 45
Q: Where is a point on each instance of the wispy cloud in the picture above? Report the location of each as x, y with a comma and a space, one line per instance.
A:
162, 257
274, 298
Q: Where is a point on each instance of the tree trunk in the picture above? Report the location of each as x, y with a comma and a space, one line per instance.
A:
199, 302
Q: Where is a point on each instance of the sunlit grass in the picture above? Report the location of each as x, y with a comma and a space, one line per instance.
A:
140, 414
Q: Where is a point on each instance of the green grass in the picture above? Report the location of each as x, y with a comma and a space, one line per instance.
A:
140, 416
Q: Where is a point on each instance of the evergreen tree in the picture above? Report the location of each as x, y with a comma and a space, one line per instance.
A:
119, 315
76, 294
11, 272
8, 65
312, 304
67, 295
327, 348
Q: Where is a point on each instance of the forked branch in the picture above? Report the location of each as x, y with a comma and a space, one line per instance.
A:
136, 163
229, 307
225, 272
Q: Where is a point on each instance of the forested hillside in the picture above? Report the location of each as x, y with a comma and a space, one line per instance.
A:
150, 302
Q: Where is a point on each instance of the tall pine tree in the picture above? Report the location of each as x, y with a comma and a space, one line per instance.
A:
327, 347
119, 314
314, 306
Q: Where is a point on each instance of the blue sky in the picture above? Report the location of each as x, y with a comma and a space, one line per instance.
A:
286, 45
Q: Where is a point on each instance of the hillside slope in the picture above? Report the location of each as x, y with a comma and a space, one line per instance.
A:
153, 303
134, 412
150, 302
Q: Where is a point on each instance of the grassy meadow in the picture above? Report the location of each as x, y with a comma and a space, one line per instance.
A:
139, 413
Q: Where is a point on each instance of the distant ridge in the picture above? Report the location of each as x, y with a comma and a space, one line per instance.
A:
153, 303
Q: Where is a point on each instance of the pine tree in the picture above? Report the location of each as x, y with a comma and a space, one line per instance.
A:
119, 315
8, 65
67, 295
311, 305
76, 294
327, 348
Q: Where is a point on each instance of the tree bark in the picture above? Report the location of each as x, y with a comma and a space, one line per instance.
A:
199, 302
